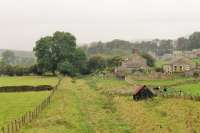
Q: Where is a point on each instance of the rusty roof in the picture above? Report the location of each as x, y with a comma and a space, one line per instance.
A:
138, 89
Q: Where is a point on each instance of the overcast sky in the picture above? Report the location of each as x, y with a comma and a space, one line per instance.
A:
22, 22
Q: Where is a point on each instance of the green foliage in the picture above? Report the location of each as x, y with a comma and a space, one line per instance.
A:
59, 52
182, 44
194, 40
115, 61
79, 61
150, 60
66, 68
8, 57
96, 63
123, 48
196, 75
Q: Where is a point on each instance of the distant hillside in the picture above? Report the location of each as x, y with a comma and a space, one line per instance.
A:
157, 46
124, 48
19, 53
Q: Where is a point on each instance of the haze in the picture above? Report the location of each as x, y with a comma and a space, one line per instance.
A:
25, 21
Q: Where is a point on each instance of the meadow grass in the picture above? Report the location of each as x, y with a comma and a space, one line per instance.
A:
157, 115
193, 89
77, 107
13, 105
160, 115
28, 80
80, 106
163, 82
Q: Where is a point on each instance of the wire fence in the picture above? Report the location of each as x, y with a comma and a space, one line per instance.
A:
15, 125
182, 96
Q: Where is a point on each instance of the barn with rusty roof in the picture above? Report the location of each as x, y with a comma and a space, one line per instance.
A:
142, 92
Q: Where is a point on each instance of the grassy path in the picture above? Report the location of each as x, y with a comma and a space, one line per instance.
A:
78, 108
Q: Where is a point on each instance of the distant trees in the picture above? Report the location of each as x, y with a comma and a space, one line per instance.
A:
12, 65
194, 41
183, 44
115, 61
15, 70
150, 60
160, 47
8, 57
96, 63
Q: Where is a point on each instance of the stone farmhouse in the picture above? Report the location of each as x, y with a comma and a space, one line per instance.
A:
134, 63
179, 65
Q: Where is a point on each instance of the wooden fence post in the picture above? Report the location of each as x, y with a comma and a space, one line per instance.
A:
8, 128
3, 130
12, 127
16, 126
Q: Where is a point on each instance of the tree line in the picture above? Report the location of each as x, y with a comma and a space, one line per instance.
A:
58, 53
157, 46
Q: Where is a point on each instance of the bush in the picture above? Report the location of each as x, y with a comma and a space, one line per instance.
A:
17, 70
196, 75
96, 63
66, 68
159, 70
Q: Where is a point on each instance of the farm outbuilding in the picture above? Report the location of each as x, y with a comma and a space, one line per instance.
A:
142, 92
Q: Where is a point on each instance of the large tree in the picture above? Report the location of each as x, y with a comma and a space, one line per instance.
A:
52, 51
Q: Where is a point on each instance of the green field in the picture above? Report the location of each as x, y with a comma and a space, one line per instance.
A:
162, 82
193, 89
80, 106
15, 104
28, 80
175, 84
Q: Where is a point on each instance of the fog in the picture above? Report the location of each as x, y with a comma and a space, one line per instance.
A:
22, 22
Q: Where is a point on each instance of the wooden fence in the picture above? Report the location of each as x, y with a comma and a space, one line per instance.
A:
182, 96
15, 125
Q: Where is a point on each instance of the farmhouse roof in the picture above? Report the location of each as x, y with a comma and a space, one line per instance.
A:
138, 89
136, 61
182, 60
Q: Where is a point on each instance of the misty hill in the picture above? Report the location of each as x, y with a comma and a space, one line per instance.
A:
157, 46
19, 53
124, 48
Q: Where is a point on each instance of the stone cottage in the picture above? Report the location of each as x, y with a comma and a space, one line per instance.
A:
134, 63
178, 65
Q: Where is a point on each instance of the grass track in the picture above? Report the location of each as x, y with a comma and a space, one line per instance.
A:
78, 108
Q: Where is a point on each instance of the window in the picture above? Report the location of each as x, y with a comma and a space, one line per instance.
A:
181, 68
175, 68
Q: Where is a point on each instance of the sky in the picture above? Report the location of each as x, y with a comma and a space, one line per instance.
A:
23, 22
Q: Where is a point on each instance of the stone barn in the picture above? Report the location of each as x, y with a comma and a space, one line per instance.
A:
142, 92
179, 65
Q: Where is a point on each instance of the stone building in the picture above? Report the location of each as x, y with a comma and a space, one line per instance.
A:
179, 65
